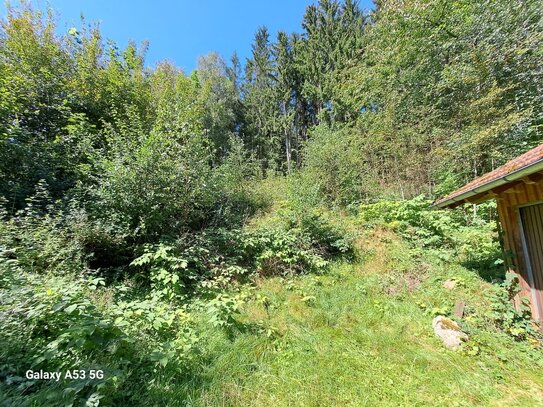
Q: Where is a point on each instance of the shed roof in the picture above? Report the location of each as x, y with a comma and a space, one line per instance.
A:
514, 170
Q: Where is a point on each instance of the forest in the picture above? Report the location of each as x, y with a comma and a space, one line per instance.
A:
260, 232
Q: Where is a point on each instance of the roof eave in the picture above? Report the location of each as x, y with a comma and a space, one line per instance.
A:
512, 176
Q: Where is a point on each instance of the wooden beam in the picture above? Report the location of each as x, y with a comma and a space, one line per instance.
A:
490, 196
506, 187
528, 181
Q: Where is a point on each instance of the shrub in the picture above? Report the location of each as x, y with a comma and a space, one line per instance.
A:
448, 233
164, 185
160, 186
300, 238
167, 273
54, 326
106, 242
413, 219
223, 308
215, 259
280, 252
38, 236
335, 170
516, 322
328, 238
63, 237
57, 324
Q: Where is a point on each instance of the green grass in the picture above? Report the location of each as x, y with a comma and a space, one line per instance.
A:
362, 336
358, 335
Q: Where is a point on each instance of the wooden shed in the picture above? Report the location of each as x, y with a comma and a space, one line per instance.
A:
517, 187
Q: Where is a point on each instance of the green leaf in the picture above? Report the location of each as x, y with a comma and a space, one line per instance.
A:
70, 308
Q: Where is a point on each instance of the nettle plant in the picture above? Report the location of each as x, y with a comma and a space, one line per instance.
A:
179, 269
224, 307
413, 219
169, 332
213, 260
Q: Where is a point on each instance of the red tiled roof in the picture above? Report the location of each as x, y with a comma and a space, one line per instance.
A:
525, 160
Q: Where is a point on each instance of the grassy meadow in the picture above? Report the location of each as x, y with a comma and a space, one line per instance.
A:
360, 334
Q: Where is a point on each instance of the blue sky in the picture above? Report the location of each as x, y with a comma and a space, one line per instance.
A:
182, 30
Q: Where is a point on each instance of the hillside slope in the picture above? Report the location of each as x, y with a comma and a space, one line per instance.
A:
361, 335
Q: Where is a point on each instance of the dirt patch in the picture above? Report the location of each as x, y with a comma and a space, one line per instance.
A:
398, 282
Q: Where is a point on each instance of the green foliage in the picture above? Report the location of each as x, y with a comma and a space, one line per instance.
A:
65, 325
54, 326
335, 170
164, 270
215, 259
38, 239
176, 192
219, 99
58, 325
413, 219
58, 90
451, 236
223, 308
473, 244
48, 236
515, 321
299, 238
412, 97
446, 90
199, 263
128, 195
330, 237
279, 252
473, 240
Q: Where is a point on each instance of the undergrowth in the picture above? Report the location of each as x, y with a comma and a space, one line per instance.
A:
237, 316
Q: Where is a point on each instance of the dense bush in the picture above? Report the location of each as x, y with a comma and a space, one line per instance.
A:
217, 258
59, 317
54, 326
469, 240
38, 237
63, 238
57, 324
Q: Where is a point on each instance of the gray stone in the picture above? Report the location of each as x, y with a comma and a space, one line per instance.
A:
449, 332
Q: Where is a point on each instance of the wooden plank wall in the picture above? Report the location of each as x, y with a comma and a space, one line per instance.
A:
508, 204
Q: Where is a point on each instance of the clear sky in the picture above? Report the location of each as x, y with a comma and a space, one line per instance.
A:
182, 30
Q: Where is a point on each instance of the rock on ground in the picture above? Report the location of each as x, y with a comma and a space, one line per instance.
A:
449, 332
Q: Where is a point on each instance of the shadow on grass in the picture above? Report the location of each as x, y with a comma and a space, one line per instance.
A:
490, 268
